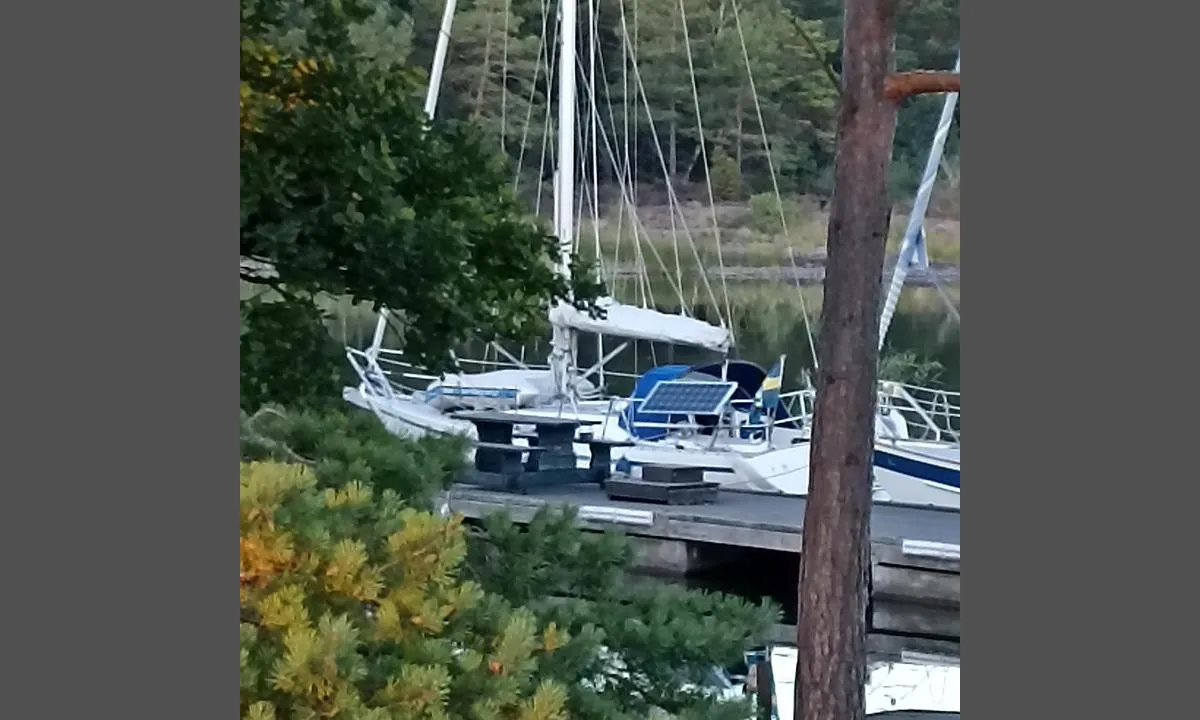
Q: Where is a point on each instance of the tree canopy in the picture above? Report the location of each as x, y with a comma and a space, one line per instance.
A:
324, 497
347, 190
502, 68
351, 606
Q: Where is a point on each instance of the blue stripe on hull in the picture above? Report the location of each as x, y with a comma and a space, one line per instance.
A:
937, 474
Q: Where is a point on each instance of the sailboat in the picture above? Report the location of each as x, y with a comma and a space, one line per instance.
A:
917, 456
756, 439
916, 685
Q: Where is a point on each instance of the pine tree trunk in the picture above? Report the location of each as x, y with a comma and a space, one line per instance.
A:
832, 597
483, 74
739, 133
672, 140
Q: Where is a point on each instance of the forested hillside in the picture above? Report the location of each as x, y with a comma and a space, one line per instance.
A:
715, 65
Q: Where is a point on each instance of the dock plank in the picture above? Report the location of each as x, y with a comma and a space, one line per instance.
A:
737, 516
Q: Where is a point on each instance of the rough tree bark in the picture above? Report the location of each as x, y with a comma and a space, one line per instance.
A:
832, 597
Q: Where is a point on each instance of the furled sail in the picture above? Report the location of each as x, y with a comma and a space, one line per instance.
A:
635, 323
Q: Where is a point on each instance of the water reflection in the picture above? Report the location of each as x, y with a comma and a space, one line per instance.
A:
914, 683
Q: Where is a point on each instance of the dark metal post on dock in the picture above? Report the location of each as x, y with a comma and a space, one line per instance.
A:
765, 685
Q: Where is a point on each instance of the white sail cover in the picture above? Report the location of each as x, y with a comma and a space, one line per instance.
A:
498, 389
637, 323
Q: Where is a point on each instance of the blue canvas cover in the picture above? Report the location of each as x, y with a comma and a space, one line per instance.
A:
643, 387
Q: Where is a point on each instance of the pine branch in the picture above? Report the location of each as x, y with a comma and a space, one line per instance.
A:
901, 85
817, 53
270, 443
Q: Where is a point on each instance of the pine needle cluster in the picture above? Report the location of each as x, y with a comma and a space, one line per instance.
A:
359, 601
352, 606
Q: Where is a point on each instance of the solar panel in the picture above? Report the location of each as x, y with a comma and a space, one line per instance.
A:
688, 397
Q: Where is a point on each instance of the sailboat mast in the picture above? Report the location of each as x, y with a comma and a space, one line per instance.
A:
564, 187
914, 237
562, 341
439, 59
595, 149
431, 98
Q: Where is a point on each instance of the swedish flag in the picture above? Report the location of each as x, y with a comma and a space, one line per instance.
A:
768, 393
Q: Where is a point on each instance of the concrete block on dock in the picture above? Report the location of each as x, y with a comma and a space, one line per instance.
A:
676, 558
921, 572
914, 619
666, 493
665, 474
908, 584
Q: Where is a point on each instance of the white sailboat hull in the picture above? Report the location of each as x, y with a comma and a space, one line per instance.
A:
409, 417
784, 470
906, 471
787, 470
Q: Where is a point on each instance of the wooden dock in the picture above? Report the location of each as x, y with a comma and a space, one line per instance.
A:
914, 550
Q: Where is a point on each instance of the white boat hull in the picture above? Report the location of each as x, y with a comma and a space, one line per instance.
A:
781, 467
787, 470
915, 685
409, 417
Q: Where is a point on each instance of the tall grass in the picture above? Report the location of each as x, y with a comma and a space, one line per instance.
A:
748, 235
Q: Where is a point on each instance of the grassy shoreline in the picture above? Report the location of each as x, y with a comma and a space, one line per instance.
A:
746, 235
764, 304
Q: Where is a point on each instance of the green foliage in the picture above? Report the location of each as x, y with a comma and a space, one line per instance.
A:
287, 355
349, 448
792, 96
386, 37
725, 176
347, 189
659, 641
619, 648
790, 45
490, 79
906, 367
927, 37
767, 214
764, 214
352, 606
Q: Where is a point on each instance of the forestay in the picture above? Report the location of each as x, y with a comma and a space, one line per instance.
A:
635, 323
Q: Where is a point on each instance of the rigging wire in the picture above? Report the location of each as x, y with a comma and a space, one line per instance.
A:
504, 81
673, 197
537, 67
712, 203
737, 18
